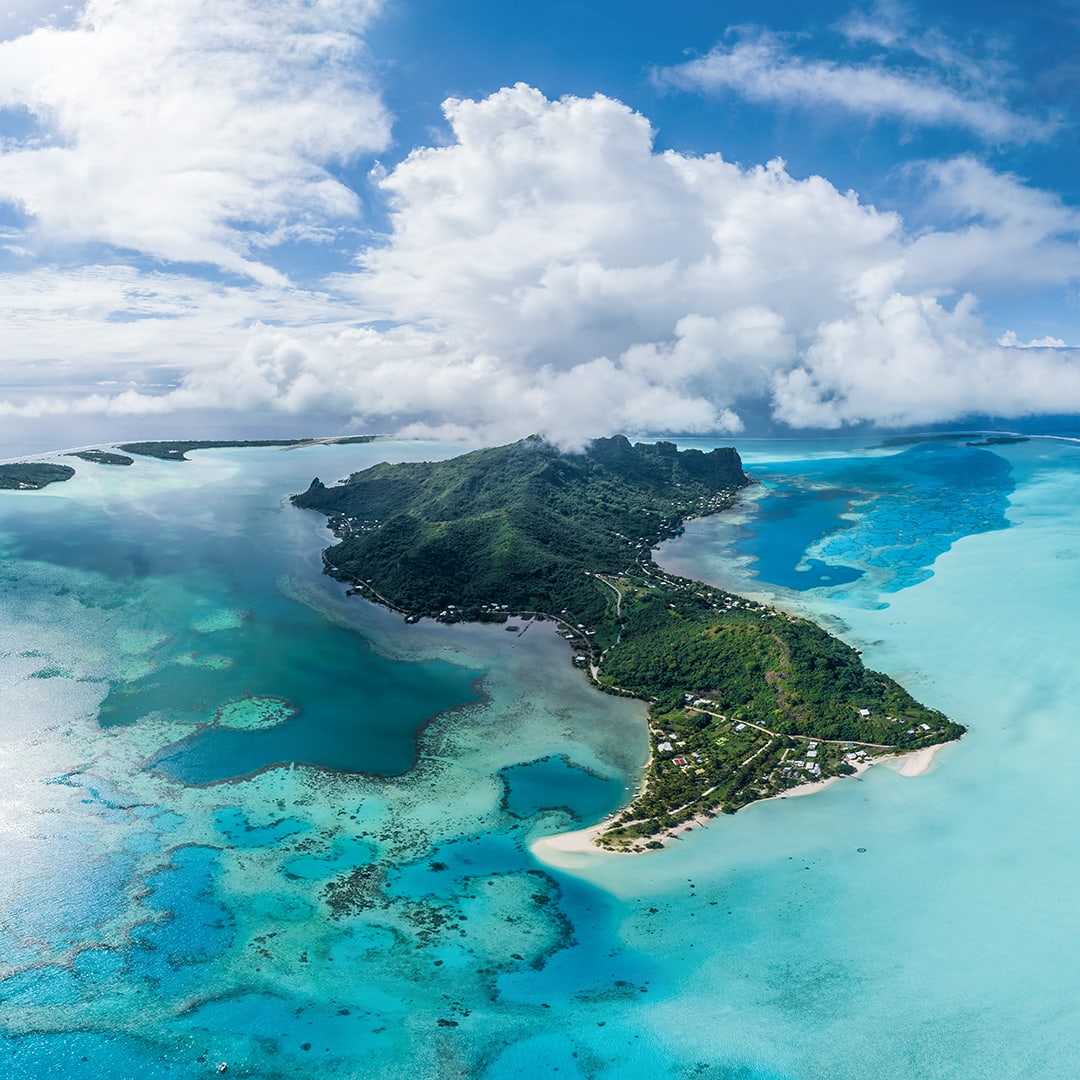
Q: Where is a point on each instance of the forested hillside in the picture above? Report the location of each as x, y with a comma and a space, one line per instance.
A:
516, 525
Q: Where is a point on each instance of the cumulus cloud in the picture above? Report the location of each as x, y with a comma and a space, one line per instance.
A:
189, 130
548, 270
1011, 339
909, 360
760, 67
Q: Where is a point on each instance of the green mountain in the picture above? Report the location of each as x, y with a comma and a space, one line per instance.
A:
518, 524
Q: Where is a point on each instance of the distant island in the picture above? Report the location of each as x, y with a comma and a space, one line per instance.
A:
33, 475
745, 702
177, 450
101, 457
967, 438
1000, 440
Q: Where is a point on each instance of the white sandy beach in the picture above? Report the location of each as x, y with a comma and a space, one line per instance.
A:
570, 850
917, 762
574, 849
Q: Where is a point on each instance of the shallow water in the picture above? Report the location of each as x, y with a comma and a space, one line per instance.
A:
172, 899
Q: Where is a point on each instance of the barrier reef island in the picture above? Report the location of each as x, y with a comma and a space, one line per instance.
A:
745, 702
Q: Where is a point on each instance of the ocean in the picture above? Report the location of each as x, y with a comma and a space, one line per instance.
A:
246, 819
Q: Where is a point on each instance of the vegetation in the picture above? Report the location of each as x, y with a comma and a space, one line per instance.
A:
1000, 440
31, 475
745, 701
102, 457
178, 451
515, 527
914, 440
967, 438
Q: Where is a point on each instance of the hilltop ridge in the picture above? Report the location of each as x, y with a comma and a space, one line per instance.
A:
516, 524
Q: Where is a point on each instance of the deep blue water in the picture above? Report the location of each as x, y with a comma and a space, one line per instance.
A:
355, 711
788, 521
555, 783
912, 506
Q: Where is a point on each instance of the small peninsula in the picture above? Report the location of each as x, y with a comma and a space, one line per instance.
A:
33, 475
745, 702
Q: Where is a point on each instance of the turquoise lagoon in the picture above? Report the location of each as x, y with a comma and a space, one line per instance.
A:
244, 818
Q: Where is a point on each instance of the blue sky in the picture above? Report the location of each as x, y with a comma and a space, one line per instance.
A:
478, 219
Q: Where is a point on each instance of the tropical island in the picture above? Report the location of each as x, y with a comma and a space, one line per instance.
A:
33, 475
178, 449
746, 702
101, 457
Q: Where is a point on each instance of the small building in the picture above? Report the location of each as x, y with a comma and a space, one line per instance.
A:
664, 748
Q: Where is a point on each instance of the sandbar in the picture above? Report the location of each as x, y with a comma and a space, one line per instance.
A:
918, 761
569, 850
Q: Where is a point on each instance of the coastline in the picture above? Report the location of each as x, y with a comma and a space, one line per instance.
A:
705, 621
569, 850
917, 762
573, 849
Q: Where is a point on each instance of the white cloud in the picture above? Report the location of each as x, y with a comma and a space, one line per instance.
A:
1012, 340
552, 231
761, 68
189, 130
909, 360
547, 270
1002, 230
892, 26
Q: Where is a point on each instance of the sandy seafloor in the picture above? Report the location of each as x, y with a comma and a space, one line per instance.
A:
158, 914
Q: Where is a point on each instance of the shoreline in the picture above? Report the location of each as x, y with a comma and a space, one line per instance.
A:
915, 762
572, 849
